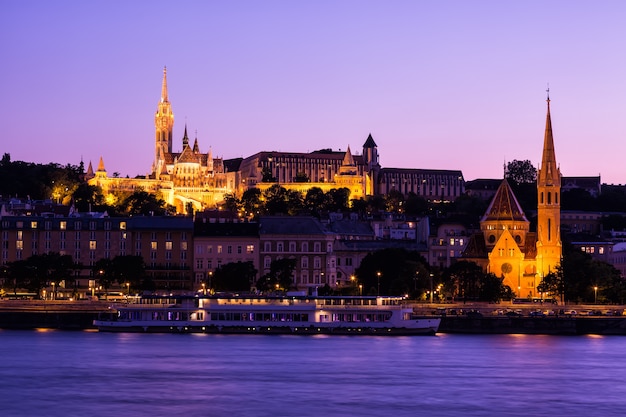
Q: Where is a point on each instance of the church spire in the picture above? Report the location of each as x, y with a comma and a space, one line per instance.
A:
164, 86
548, 174
549, 248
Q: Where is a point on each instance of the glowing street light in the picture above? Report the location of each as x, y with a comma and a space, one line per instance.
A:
378, 276
595, 294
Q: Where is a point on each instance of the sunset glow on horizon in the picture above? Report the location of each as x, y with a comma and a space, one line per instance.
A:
451, 85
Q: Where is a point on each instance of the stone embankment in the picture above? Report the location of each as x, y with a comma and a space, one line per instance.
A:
485, 318
62, 315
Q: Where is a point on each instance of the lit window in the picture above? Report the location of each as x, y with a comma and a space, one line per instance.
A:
153, 245
168, 245
92, 244
33, 225
183, 245
250, 249
63, 225
122, 225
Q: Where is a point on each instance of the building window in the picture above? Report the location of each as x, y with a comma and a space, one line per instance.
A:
292, 247
305, 246
267, 246
92, 245
33, 225
279, 247
304, 262
183, 245
267, 262
168, 245
239, 250
122, 225
219, 249
199, 263
229, 249
153, 245
317, 247
63, 225
317, 262
250, 249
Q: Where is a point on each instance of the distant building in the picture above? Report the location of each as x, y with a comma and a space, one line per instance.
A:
505, 246
196, 180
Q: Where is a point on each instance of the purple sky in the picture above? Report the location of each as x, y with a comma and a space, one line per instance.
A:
439, 84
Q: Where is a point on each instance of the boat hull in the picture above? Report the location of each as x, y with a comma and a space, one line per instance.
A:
425, 327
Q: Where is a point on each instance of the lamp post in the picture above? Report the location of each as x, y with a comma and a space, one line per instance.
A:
431, 288
360, 289
54, 295
378, 278
203, 288
595, 294
210, 281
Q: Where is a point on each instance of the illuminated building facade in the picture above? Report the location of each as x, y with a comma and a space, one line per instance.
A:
196, 179
505, 246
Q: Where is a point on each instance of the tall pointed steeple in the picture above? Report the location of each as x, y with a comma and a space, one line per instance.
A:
164, 87
549, 247
549, 169
164, 127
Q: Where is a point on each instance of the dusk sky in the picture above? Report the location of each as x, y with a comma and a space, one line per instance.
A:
438, 84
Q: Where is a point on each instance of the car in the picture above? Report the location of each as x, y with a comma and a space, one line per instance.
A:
536, 314
512, 314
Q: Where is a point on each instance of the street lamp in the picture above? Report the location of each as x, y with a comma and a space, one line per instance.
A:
360, 289
431, 288
378, 276
53, 292
595, 294
203, 288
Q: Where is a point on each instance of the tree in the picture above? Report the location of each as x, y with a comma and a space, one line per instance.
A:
231, 203
234, 276
146, 204
391, 272
316, 201
521, 172
338, 199
251, 202
129, 269
279, 276
394, 201
104, 273
415, 205
87, 197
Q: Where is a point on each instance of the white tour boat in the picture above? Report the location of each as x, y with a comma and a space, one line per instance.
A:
260, 314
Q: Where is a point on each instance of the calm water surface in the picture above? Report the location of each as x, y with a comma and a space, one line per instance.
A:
98, 374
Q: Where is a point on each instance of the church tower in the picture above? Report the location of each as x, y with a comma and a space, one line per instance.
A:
548, 206
164, 126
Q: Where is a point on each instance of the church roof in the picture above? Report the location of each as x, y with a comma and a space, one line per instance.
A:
476, 247
188, 156
504, 206
369, 143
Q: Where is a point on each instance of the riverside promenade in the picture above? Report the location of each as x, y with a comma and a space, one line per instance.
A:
509, 318
469, 318
61, 315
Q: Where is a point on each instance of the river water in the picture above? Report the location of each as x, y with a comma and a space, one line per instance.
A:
57, 373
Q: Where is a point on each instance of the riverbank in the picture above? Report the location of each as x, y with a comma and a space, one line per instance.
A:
477, 319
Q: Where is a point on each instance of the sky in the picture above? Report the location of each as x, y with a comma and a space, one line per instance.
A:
457, 85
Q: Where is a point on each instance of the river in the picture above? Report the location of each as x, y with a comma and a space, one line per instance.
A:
56, 373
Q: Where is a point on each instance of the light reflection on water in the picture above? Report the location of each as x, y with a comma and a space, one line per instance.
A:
99, 374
